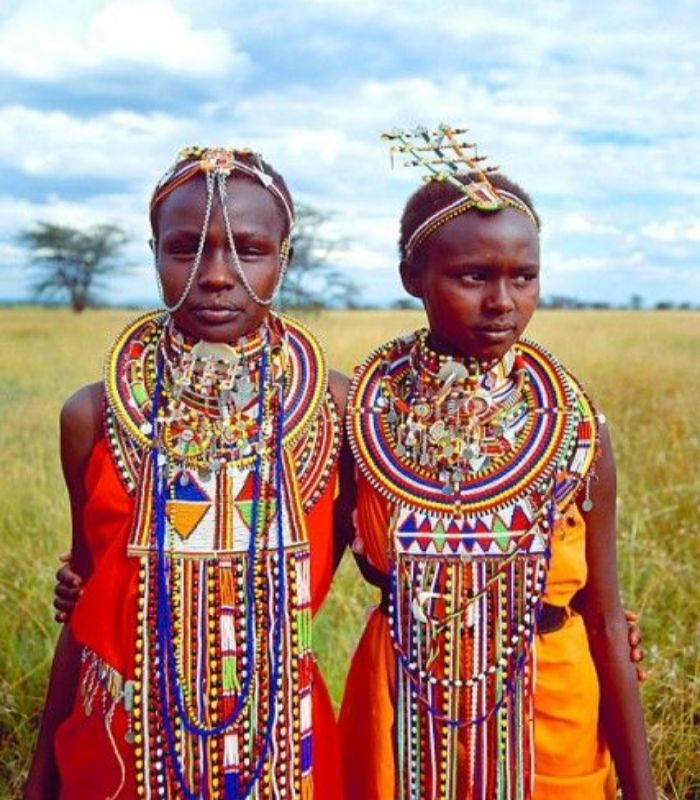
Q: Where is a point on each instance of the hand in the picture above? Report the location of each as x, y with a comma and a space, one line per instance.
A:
634, 637
67, 591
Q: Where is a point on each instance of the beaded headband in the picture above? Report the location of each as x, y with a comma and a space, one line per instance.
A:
221, 161
449, 159
217, 164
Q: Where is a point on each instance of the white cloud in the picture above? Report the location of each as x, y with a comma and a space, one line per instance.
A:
15, 215
51, 41
673, 231
558, 263
579, 223
592, 110
122, 145
361, 257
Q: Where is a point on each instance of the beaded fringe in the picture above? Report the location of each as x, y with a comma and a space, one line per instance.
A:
102, 685
273, 732
464, 713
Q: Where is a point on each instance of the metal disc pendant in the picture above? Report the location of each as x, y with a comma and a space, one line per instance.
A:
453, 370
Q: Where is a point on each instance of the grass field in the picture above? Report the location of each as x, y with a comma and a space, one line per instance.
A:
641, 369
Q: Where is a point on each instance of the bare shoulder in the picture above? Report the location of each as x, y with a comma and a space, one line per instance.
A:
81, 424
339, 385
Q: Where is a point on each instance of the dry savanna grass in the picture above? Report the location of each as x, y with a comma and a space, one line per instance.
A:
639, 367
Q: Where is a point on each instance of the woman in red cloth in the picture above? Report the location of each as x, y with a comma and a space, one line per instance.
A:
201, 476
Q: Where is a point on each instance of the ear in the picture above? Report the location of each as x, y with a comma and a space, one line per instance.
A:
153, 244
411, 278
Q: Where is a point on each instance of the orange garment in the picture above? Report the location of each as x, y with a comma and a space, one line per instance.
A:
104, 621
571, 760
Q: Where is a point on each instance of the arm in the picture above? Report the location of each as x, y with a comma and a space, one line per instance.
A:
607, 630
80, 426
344, 505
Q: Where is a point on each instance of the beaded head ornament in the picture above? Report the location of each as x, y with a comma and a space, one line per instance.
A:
217, 164
450, 159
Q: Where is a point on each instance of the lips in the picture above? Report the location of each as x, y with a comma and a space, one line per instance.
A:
496, 333
216, 314
496, 329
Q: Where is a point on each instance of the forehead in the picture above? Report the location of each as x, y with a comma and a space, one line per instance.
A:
250, 206
506, 232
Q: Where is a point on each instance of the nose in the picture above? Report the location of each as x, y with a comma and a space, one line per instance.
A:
216, 270
499, 297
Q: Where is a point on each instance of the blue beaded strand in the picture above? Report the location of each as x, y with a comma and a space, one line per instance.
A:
164, 623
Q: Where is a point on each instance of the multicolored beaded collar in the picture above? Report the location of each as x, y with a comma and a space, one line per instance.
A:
432, 452
198, 371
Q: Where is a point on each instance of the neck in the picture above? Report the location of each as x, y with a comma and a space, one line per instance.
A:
185, 341
437, 359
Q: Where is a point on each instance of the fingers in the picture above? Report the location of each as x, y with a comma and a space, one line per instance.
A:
68, 589
634, 637
67, 577
69, 594
65, 599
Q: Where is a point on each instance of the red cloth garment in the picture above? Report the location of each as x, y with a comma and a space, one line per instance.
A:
94, 759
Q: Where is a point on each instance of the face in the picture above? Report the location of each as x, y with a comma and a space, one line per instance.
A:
218, 308
478, 279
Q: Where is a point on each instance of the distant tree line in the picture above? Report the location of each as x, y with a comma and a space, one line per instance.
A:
635, 303
72, 265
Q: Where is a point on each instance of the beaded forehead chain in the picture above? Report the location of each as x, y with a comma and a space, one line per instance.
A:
217, 164
450, 159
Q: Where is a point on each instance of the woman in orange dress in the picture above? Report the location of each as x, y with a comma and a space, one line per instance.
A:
486, 514
202, 474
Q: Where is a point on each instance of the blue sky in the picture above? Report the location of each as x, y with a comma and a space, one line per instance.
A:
592, 107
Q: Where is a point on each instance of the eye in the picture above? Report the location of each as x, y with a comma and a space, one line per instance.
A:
473, 275
181, 247
249, 251
249, 248
182, 252
525, 278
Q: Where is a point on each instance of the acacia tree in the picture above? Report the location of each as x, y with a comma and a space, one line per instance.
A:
70, 261
312, 281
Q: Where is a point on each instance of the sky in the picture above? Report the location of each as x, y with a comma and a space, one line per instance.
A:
592, 107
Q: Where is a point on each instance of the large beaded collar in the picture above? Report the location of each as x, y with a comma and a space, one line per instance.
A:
212, 391
442, 435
